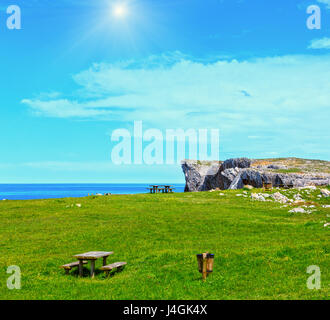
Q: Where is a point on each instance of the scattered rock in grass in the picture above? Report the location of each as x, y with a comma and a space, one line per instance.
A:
239, 195
327, 225
326, 206
221, 194
266, 195
78, 205
325, 193
307, 188
298, 210
297, 197
258, 197
279, 197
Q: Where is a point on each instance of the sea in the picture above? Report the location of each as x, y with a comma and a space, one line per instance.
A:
51, 191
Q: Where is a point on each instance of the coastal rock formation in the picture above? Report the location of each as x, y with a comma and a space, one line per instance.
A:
236, 163
200, 175
236, 173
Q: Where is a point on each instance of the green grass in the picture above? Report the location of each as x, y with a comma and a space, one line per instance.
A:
291, 170
261, 250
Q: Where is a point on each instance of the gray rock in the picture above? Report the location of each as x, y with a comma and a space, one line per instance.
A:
298, 210
325, 193
276, 167
279, 197
297, 197
236, 173
227, 177
236, 163
257, 196
201, 175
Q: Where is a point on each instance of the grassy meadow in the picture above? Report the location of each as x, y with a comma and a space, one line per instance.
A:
261, 250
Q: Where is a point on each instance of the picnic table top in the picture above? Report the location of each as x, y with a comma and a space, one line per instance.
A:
160, 185
93, 255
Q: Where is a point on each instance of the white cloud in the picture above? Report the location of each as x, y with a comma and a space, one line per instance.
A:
326, 2
284, 93
68, 166
323, 43
64, 108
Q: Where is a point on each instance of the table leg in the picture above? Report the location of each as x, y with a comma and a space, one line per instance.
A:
92, 268
105, 261
81, 265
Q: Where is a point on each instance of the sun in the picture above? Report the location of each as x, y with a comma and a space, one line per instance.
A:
119, 10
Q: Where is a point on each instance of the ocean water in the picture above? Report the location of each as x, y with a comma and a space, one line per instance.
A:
48, 191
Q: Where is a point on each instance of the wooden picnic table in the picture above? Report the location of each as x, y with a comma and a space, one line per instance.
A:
92, 256
160, 188
153, 188
168, 188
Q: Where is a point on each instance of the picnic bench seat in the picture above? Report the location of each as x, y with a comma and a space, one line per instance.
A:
117, 265
69, 266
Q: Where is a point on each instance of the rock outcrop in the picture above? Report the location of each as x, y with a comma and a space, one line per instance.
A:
235, 173
200, 175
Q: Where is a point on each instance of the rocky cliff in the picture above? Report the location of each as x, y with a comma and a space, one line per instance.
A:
235, 173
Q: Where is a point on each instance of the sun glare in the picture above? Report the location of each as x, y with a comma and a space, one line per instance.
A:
119, 10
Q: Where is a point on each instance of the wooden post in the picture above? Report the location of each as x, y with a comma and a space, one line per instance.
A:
81, 268
105, 261
205, 263
92, 268
204, 266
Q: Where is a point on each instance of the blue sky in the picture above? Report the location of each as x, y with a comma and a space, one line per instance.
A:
75, 72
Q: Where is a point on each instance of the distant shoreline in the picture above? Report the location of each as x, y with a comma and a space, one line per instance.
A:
43, 191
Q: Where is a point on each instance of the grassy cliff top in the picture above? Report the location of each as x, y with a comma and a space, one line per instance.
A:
296, 165
261, 250
290, 165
